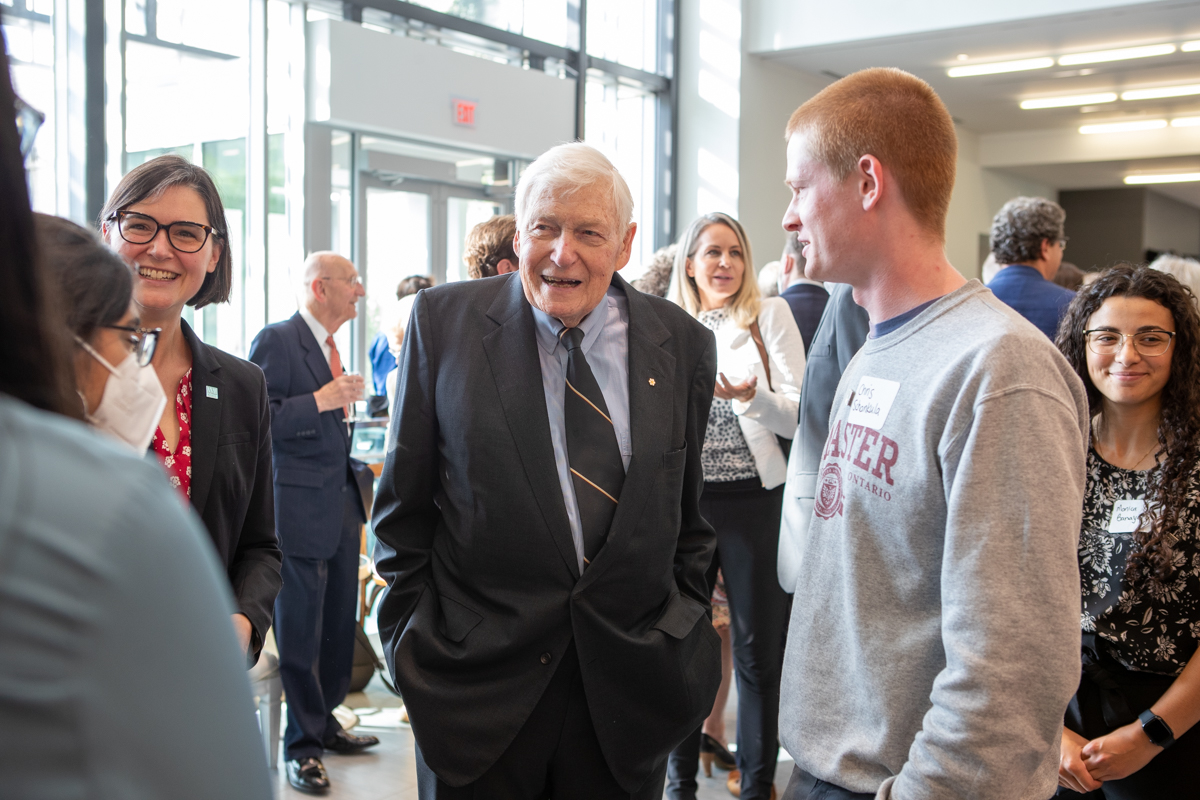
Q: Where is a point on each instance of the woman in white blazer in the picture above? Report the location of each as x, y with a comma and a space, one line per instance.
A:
760, 362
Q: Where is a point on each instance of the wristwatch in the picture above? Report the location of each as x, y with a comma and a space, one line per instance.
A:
1156, 729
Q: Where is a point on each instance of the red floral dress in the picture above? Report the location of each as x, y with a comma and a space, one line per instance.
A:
179, 464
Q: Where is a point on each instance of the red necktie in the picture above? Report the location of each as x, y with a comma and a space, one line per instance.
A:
335, 366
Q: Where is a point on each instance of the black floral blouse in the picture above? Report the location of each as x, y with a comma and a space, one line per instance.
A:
1150, 628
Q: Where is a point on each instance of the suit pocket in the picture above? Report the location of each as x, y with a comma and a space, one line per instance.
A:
679, 617
675, 459
456, 620
308, 478
234, 438
821, 351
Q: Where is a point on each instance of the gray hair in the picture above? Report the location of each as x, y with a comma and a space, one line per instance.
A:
657, 277
564, 170
1185, 270
1020, 227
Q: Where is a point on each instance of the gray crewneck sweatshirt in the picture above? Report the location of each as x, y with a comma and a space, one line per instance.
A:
934, 638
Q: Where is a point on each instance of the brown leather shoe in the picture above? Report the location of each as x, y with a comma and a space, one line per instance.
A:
734, 785
346, 743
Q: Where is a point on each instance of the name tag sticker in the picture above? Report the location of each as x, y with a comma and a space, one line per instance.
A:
1125, 515
871, 402
210, 391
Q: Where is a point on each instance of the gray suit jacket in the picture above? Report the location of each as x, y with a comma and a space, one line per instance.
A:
843, 329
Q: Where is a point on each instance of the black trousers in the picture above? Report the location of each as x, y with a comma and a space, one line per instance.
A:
1170, 774
802, 786
555, 756
314, 629
746, 518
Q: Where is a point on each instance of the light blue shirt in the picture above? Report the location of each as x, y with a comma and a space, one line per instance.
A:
606, 347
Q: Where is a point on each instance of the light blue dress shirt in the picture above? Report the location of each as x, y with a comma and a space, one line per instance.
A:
606, 347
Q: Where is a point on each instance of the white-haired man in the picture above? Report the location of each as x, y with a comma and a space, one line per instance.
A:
318, 513
546, 616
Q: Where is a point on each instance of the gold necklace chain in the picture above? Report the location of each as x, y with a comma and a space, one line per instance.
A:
1153, 448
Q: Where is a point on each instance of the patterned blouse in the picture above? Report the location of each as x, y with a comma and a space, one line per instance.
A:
1153, 627
179, 464
726, 456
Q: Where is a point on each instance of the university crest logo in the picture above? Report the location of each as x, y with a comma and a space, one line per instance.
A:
829, 492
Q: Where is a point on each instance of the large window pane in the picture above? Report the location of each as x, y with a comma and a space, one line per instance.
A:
553, 21
625, 31
620, 122
31, 59
397, 246
463, 214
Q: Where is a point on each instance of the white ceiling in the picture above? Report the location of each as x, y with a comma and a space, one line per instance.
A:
989, 104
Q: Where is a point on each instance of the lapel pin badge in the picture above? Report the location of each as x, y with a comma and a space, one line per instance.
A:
652, 382
210, 391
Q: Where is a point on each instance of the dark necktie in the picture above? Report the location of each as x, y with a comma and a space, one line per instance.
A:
592, 451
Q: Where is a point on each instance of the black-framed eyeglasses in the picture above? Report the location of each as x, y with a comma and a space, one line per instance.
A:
1146, 343
143, 340
186, 237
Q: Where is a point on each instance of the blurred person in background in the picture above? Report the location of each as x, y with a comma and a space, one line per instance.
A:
119, 674
488, 249
395, 339
760, 362
1028, 242
657, 277
319, 512
1185, 270
1069, 276
768, 279
1133, 338
166, 219
806, 298
380, 353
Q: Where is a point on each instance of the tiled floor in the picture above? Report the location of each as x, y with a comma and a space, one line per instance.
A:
387, 772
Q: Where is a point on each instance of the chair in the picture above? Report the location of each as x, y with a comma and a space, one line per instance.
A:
267, 688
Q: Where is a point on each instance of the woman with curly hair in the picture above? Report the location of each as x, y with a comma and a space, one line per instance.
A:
1133, 336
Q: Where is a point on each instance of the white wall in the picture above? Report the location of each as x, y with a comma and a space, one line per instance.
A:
376, 82
1171, 225
787, 24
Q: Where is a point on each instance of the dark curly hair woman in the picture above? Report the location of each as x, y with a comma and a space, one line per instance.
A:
1133, 336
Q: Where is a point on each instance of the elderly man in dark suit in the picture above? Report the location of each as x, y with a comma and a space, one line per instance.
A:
318, 513
547, 615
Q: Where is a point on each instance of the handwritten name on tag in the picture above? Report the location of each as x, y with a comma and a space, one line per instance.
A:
1125, 516
871, 402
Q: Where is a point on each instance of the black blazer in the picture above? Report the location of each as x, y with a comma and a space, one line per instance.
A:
231, 477
312, 449
484, 594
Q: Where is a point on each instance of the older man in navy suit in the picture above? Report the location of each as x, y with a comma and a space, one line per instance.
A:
318, 513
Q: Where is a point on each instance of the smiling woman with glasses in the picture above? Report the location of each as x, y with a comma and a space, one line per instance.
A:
166, 219
1133, 337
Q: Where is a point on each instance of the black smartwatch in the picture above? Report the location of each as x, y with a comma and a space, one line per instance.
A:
1156, 729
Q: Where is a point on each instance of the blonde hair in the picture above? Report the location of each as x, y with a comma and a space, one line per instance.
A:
899, 119
743, 306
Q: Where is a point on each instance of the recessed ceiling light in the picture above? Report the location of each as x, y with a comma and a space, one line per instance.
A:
997, 67
1179, 177
1190, 47
1185, 122
1122, 127
1074, 100
1162, 91
1119, 54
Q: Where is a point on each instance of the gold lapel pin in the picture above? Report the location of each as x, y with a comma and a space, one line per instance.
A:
652, 381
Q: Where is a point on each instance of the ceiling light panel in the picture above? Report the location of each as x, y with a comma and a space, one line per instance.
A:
1190, 47
1074, 100
1179, 177
1160, 92
997, 67
1185, 122
1124, 127
1120, 54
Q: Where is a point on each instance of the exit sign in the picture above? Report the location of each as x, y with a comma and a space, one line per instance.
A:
464, 112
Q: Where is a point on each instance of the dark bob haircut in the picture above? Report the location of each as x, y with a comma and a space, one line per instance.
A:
94, 285
1179, 428
148, 182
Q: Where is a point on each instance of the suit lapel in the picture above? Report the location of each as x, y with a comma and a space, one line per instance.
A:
314, 359
650, 415
206, 417
511, 351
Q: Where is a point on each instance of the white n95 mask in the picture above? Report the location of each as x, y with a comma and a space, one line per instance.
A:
132, 402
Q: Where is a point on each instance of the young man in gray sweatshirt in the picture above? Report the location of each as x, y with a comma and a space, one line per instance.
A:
933, 644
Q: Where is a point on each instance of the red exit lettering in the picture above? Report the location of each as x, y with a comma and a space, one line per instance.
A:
464, 113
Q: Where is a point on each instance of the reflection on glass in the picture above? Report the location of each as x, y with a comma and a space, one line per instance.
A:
620, 122
463, 214
397, 246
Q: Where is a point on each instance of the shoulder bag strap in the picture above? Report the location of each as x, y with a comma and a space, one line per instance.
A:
756, 335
